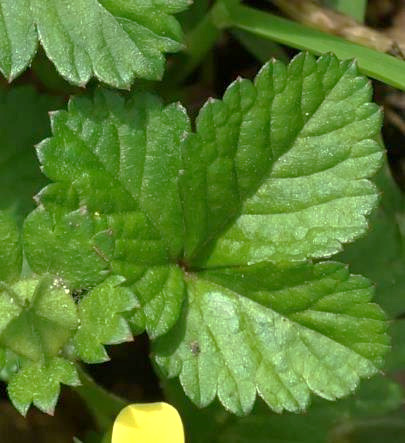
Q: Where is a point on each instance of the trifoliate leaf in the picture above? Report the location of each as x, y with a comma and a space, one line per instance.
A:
112, 40
276, 173
37, 317
101, 322
39, 383
280, 332
10, 247
24, 122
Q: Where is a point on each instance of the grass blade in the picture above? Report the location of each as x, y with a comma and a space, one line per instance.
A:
377, 65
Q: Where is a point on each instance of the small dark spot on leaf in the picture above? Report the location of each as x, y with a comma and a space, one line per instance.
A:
195, 348
78, 294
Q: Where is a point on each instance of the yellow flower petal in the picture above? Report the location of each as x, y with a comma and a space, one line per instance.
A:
148, 423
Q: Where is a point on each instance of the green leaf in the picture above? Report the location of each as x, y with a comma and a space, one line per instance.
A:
230, 170
286, 428
101, 321
134, 150
378, 396
389, 429
23, 122
39, 383
115, 41
380, 255
316, 426
128, 226
10, 247
218, 226
281, 165
190, 18
37, 317
77, 245
396, 358
10, 364
161, 291
281, 332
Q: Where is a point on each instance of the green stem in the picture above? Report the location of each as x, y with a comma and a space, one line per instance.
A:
201, 39
198, 43
375, 64
103, 405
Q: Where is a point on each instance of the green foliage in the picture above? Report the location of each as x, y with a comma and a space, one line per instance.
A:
10, 247
83, 238
214, 236
115, 41
378, 65
214, 230
38, 317
262, 189
377, 401
161, 291
38, 383
396, 358
386, 267
24, 122
276, 318
100, 320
